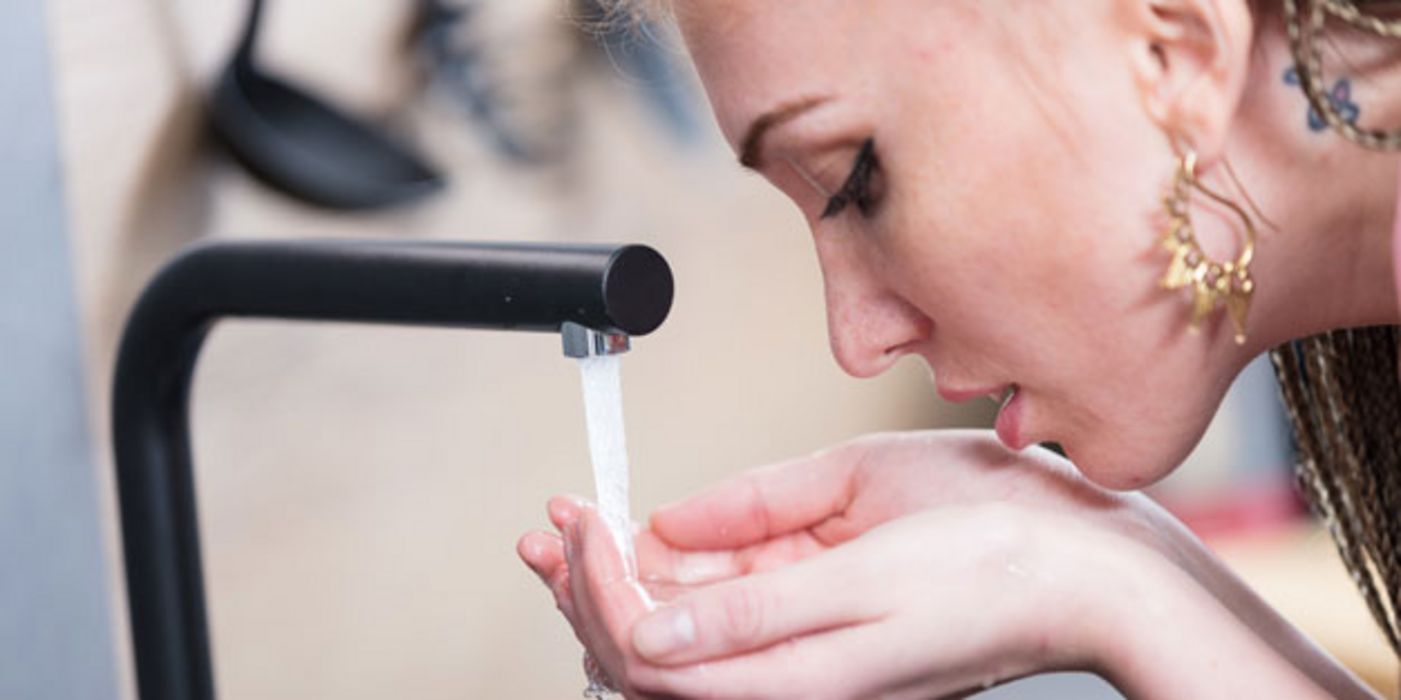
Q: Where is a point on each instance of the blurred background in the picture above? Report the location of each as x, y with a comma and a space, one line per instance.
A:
361, 488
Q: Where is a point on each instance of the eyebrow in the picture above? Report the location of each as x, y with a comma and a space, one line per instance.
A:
752, 146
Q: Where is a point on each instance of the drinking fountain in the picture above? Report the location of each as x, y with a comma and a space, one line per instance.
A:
596, 297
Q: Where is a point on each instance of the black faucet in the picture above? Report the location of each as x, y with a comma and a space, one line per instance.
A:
596, 296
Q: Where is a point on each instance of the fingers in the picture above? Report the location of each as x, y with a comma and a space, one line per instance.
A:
606, 600
761, 504
859, 661
659, 564
620, 598
543, 552
850, 662
666, 568
746, 614
564, 510
759, 613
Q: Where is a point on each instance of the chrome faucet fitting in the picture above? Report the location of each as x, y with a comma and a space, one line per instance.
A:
582, 341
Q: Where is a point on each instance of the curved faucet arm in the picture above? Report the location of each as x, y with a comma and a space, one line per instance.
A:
618, 290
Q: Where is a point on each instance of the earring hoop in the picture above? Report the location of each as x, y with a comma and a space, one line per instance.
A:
1212, 284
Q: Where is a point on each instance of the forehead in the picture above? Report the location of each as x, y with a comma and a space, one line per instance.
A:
753, 55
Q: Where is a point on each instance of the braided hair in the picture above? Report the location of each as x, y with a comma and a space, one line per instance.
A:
1341, 388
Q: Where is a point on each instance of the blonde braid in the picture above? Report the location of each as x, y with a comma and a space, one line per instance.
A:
1341, 388
1335, 470
1308, 61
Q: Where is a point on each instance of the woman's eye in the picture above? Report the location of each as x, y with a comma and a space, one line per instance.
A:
863, 186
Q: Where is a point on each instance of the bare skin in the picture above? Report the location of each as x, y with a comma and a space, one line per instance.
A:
1005, 232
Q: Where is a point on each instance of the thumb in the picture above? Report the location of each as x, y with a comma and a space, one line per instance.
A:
747, 614
762, 503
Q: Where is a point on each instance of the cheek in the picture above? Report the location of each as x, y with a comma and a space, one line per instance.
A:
1042, 273
1018, 253
1034, 249
1070, 230
1118, 373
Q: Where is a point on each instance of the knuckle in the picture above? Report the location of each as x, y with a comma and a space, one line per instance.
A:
742, 611
759, 507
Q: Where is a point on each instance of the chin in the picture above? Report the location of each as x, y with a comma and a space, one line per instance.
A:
1122, 459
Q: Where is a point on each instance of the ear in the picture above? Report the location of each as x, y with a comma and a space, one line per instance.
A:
1190, 60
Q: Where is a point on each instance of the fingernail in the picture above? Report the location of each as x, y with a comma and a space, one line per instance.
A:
533, 550
564, 510
664, 633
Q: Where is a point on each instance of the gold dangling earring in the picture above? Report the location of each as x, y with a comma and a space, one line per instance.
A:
1213, 284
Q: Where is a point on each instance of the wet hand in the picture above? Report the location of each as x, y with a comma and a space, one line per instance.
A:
935, 603
778, 513
764, 570
770, 518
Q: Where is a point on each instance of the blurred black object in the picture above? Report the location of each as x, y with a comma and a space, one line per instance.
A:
528, 116
307, 148
518, 84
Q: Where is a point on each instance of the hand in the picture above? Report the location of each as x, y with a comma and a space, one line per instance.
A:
768, 519
771, 515
935, 603
775, 516
608, 581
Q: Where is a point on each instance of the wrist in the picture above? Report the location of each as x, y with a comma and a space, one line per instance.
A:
1141, 610
1160, 634
1092, 597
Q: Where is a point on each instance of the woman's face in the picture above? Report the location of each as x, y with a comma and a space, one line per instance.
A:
983, 186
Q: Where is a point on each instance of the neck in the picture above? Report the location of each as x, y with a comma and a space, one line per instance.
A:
1329, 262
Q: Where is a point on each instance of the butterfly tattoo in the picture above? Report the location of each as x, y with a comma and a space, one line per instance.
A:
1340, 98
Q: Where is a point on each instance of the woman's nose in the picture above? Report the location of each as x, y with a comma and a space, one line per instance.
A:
869, 326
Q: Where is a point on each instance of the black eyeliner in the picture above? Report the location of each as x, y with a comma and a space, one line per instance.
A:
855, 190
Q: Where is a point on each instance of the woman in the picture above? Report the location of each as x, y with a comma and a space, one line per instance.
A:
1041, 200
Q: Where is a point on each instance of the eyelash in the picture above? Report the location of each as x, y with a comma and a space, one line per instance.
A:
857, 188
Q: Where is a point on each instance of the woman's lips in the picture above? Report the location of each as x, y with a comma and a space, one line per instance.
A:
1009, 420
1009, 416
956, 395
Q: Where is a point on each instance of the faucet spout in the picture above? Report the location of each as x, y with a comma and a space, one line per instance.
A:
582, 341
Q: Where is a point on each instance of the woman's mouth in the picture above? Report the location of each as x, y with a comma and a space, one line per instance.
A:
1009, 419
1009, 416
958, 395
